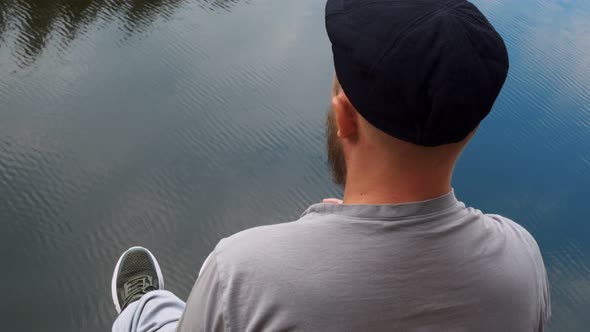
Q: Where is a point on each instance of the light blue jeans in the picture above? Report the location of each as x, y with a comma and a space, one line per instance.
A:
157, 311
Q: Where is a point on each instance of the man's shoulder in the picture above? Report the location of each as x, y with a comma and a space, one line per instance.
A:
260, 243
511, 230
254, 236
517, 243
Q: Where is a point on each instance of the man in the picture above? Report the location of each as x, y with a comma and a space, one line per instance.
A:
400, 253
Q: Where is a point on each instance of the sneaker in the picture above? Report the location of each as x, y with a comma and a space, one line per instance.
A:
137, 272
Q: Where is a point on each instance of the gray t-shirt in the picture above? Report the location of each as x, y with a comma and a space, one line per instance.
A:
427, 266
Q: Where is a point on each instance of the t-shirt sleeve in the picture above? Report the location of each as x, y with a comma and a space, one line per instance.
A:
546, 304
541, 280
543, 283
204, 307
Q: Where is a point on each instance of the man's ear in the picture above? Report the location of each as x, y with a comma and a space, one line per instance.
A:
345, 115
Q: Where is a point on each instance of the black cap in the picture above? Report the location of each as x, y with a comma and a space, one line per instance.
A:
424, 71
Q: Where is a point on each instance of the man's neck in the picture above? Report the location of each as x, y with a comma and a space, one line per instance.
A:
389, 186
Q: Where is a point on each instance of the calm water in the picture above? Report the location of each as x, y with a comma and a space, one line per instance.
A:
174, 123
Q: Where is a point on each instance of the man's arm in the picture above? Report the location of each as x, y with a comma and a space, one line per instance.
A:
204, 308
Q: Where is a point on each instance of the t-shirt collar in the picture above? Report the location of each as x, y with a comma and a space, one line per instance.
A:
387, 211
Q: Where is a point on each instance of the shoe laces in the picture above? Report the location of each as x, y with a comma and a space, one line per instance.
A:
136, 288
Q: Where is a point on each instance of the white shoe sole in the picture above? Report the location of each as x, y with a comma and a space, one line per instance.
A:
114, 281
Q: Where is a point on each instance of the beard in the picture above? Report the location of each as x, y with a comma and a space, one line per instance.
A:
335, 152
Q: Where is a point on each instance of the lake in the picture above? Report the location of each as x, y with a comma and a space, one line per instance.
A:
174, 123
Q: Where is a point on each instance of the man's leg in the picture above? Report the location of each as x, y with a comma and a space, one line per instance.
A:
155, 311
139, 296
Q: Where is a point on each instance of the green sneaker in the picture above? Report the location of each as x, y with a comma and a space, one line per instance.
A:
137, 272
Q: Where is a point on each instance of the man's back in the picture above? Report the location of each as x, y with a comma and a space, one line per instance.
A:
429, 266
414, 80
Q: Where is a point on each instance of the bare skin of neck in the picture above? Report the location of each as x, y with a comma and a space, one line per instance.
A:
376, 175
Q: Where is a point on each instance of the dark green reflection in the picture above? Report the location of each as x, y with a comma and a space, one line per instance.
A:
34, 22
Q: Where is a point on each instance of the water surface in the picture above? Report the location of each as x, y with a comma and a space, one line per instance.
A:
174, 123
